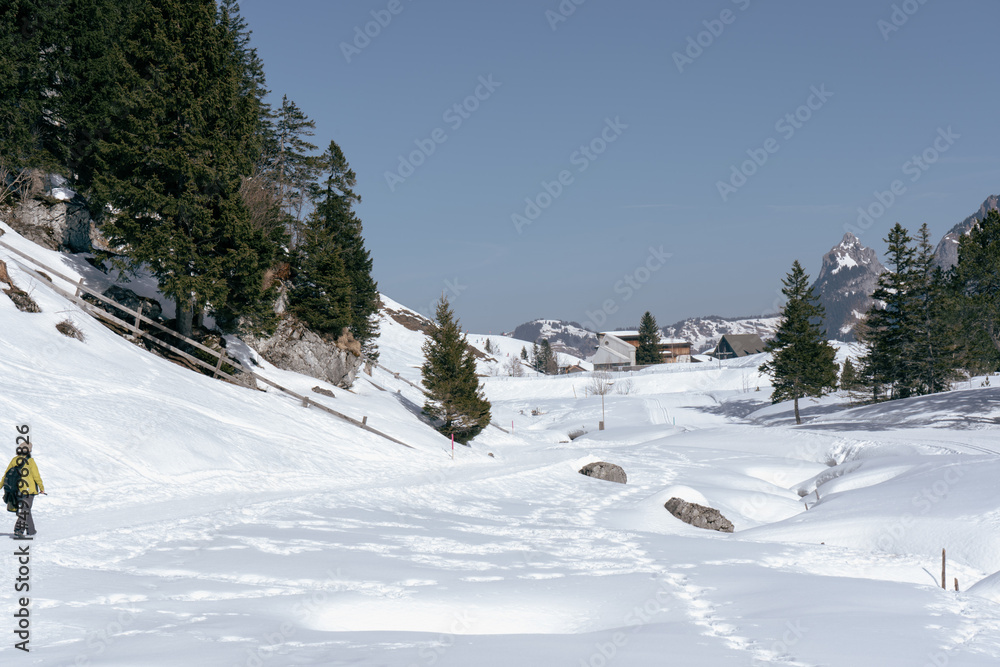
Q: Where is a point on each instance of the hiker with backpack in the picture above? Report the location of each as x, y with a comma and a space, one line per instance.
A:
21, 483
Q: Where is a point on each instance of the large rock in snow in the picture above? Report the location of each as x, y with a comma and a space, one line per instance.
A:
606, 471
699, 516
294, 347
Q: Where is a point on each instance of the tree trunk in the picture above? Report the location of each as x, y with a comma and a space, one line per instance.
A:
798, 418
185, 316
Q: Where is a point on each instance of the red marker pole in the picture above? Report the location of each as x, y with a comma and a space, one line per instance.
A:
452, 446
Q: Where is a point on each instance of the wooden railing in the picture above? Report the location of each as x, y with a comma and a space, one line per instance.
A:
136, 330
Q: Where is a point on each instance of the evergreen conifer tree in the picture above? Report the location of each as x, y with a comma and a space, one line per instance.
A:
935, 334
173, 161
648, 351
976, 283
536, 357
454, 394
803, 360
333, 287
524, 353
547, 361
889, 330
848, 376
292, 164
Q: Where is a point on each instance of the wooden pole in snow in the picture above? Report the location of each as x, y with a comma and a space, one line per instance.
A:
944, 584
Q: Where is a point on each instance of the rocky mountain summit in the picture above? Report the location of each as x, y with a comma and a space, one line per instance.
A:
844, 285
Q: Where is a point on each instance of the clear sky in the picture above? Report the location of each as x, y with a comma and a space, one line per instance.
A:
642, 108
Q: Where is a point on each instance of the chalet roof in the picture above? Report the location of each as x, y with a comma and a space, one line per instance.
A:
743, 344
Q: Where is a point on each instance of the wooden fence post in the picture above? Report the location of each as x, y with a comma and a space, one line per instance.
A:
77, 295
138, 314
218, 366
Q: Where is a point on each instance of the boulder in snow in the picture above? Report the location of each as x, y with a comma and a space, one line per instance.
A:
606, 471
699, 516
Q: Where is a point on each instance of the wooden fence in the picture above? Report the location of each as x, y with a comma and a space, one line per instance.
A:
136, 330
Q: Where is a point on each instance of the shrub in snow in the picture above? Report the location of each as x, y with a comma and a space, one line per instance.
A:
67, 328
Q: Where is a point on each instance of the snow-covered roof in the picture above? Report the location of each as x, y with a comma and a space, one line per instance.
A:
635, 334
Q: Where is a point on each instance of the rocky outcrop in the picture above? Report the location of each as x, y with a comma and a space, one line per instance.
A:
606, 471
293, 347
699, 516
56, 225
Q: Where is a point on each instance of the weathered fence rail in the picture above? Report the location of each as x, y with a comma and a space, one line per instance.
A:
134, 327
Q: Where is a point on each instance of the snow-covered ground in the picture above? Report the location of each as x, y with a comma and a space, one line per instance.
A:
192, 522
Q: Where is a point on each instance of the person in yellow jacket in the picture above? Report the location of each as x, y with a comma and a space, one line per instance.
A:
30, 485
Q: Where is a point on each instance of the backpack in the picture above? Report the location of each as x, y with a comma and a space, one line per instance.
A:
11, 485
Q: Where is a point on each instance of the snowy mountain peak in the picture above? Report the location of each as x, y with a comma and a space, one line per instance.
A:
846, 280
946, 253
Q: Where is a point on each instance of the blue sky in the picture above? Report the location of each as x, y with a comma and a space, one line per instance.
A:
619, 123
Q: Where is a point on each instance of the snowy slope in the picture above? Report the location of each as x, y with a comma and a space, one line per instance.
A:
190, 521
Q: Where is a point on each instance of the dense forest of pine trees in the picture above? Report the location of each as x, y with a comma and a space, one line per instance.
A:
157, 113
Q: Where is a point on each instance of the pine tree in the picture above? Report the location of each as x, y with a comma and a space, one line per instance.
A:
295, 165
26, 39
536, 357
648, 351
547, 361
803, 360
173, 160
933, 330
889, 330
524, 353
454, 394
976, 282
848, 376
318, 295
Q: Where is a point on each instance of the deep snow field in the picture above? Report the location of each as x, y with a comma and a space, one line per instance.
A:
193, 522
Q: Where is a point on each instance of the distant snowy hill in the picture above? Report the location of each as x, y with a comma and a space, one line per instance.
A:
704, 332
946, 253
848, 277
567, 337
